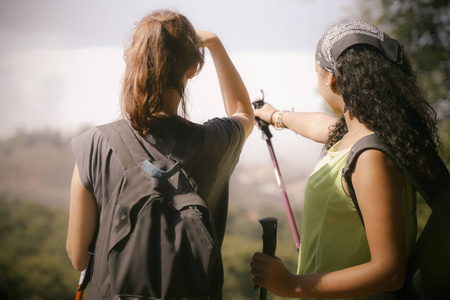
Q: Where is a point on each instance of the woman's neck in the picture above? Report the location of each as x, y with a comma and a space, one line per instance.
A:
171, 101
356, 130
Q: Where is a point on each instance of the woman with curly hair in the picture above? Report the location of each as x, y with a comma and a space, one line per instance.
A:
164, 53
368, 82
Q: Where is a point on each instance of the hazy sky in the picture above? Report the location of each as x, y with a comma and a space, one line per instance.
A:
244, 24
61, 60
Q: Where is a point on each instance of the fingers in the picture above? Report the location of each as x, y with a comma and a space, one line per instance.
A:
265, 113
259, 281
258, 256
259, 268
258, 273
271, 274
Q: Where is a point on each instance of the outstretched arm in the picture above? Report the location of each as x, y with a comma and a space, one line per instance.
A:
314, 126
234, 93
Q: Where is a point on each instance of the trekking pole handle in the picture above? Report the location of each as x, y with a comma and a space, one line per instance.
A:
269, 225
269, 236
263, 125
260, 102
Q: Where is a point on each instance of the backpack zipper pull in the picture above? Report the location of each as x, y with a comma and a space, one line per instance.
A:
199, 213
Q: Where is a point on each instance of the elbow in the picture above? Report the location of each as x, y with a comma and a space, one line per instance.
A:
251, 120
79, 267
394, 279
246, 120
79, 261
250, 125
79, 264
398, 275
250, 116
389, 276
396, 282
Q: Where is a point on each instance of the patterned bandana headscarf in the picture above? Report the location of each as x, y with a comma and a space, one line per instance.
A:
344, 35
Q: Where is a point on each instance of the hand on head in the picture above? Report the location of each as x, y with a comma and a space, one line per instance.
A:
206, 38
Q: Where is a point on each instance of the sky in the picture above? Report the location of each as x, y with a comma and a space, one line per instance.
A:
61, 61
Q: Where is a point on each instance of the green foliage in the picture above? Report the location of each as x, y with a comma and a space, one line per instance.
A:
423, 27
34, 263
33, 259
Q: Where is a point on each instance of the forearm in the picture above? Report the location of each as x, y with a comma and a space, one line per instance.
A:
313, 125
234, 92
362, 280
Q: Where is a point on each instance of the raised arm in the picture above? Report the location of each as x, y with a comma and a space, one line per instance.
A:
234, 93
314, 125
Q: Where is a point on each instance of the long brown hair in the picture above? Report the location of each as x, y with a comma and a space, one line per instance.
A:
161, 50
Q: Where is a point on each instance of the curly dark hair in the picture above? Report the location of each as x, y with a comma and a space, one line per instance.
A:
385, 96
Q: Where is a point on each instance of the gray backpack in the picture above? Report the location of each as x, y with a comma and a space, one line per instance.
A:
428, 270
157, 239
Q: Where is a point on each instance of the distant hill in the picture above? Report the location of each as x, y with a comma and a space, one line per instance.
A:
38, 166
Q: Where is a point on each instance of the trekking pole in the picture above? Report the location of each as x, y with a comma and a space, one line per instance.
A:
267, 135
269, 236
80, 292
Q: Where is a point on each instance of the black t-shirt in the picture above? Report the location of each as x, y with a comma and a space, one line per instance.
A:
221, 139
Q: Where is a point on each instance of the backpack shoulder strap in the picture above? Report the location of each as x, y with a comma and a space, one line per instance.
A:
124, 143
435, 191
368, 142
130, 152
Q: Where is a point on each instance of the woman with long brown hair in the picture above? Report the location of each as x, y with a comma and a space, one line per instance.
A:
163, 54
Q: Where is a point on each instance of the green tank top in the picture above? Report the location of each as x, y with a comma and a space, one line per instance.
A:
332, 235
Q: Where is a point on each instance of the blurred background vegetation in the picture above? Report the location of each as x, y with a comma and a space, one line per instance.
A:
36, 167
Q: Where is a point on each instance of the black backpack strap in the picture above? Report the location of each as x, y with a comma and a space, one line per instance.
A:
428, 272
368, 142
435, 191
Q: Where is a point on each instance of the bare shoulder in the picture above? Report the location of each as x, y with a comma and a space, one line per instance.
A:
377, 166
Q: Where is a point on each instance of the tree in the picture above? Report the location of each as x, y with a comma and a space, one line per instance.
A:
33, 260
423, 27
